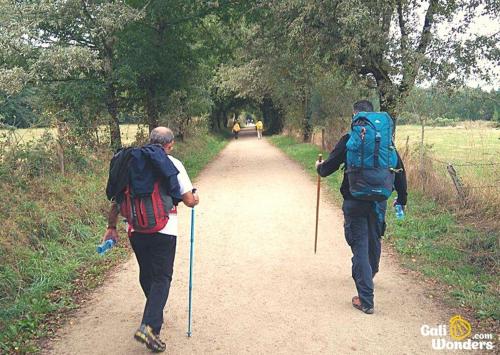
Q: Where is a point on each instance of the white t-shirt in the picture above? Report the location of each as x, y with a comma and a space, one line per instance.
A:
172, 227
185, 184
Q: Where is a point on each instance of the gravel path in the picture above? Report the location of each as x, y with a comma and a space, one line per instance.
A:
258, 287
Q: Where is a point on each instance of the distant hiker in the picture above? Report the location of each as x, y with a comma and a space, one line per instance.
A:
145, 185
372, 169
236, 129
259, 126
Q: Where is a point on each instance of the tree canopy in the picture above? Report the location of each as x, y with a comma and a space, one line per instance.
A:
296, 63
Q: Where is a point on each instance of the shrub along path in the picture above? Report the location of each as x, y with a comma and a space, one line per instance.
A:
258, 287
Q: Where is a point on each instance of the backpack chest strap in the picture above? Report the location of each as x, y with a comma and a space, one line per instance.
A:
376, 151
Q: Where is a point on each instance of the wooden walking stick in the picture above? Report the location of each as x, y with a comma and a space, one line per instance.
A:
320, 158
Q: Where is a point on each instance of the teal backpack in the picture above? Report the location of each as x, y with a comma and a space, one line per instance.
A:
371, 156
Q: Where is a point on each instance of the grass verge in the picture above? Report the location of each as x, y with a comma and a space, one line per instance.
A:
462, 260
47, 244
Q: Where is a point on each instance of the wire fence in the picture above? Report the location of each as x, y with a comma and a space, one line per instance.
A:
461, 172
457, 167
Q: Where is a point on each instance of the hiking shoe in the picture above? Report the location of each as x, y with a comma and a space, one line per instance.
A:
356, 303
145, 335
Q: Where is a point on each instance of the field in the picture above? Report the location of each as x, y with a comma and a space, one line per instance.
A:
25, 135
473, 148
469, 142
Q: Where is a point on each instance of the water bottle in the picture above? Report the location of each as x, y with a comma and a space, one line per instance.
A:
105, 246
400, 213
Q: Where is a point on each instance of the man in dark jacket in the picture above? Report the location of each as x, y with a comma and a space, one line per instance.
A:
364, 221
155, 252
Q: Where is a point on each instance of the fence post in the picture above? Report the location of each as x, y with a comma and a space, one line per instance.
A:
458, 183
407, 147
60, 145
422, 153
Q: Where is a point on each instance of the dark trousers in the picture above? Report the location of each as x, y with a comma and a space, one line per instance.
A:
364, 226
155, 254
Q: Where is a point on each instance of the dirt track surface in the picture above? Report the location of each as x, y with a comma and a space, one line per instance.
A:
258, 287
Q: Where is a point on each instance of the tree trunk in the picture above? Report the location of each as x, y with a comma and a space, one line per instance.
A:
215, 119
272, 116
218, 118
276, 124
111, 97
265, 109
306, 124
150, 105
225, 118
114, 124
389, 97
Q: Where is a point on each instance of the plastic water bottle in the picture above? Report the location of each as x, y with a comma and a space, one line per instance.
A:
105, 246
400, 213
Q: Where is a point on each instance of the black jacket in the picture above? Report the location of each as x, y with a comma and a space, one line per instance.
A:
338, 157
141, 168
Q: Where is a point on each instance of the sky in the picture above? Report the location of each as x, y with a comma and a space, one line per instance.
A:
482, 25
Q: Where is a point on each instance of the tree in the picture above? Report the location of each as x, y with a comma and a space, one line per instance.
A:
64, 41
394, 43
160, 54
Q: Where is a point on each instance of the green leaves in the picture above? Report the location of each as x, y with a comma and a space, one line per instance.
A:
13, 80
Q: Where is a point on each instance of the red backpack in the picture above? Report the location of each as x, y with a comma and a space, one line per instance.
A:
146, 213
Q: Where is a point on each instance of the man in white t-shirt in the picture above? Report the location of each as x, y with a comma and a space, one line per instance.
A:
155, 252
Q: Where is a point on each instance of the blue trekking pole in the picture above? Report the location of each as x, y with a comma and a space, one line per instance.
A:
191, 270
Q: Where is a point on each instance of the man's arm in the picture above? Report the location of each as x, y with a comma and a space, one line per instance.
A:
400, 183
335, 159
111, 232
189, 195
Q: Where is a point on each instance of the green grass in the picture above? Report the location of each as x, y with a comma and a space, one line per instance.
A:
463, 143
25, 135
51, 227
474, 150
430, 240
469, 143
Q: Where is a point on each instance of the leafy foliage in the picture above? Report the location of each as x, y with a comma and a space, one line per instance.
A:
464, 104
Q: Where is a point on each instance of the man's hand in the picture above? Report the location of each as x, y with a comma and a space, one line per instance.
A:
191, 198
110, 233
398, 203
318, 163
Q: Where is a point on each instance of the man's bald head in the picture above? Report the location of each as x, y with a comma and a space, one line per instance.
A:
161, 135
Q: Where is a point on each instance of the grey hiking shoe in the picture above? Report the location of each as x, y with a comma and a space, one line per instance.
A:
145, 335
356, 303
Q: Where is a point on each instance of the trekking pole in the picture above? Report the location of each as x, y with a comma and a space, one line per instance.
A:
191, 271
320, 158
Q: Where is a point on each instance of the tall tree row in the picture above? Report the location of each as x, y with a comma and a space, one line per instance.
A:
295, 62
360, 48
147, 59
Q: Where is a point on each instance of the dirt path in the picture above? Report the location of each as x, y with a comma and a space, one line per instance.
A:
258, 287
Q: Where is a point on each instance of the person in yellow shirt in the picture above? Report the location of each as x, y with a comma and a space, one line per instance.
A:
259, 126
236, 129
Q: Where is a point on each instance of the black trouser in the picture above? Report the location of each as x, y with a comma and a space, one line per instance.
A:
364, 225
155, 254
